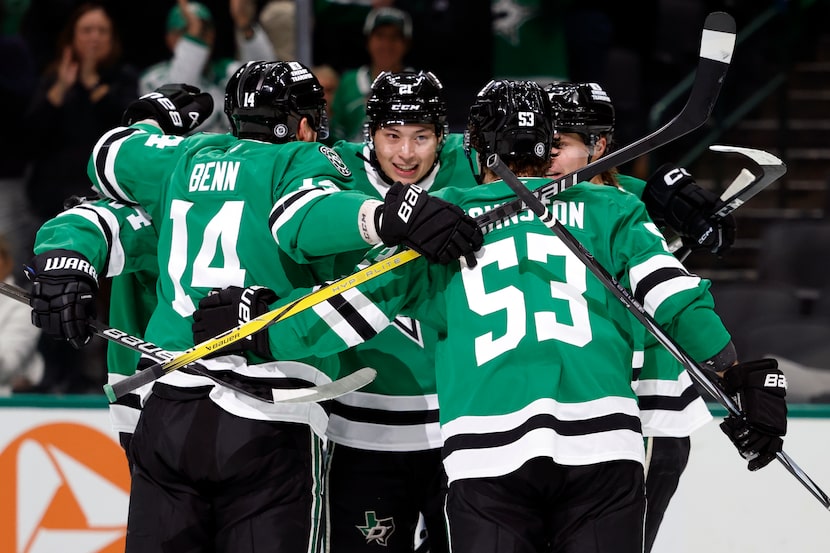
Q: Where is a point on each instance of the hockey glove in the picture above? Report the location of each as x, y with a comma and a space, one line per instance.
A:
228, 308
759, 389
438, 230
177, 108
673, 199
64, 285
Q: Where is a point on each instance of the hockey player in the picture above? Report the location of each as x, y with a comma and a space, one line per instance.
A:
217, 201
384, 453
119, 241
384, 450
542, 437
670, 406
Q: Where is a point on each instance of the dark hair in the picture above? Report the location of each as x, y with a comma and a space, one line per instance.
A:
67, 36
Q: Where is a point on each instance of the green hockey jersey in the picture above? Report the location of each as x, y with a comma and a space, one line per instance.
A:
120, 242
532, 358
670, 405
398, 411
223, 209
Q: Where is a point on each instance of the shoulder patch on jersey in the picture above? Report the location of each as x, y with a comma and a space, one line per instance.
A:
336, 160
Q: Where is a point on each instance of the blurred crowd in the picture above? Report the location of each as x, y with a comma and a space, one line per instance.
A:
68, 68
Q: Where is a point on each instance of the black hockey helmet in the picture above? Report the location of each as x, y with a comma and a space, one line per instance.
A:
511, 119
582, 108
265, 100
406, 98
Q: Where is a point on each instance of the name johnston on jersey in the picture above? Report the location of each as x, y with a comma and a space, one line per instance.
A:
571, 214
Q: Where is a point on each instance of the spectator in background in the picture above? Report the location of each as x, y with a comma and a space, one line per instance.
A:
388, 34
330, 80
81, 94
191, 35
279, 19
21, 365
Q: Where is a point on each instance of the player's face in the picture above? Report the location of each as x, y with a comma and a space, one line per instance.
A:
406, 153
568, 154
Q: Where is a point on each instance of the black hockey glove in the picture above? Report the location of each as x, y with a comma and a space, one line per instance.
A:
759, 389
64, 285
228, 308
438, 230
177, 108
674, 199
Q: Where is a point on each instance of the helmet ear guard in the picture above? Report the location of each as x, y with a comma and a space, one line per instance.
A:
267, 100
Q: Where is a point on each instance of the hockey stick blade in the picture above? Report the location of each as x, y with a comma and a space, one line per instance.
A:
766, 169
716, 47
624, 295
322, 392
333, 389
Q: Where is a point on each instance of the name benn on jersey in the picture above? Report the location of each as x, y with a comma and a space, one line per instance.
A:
571, 214
214, 176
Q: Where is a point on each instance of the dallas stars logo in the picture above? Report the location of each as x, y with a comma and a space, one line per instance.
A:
377, 530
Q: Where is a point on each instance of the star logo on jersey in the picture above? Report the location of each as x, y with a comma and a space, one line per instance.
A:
376, 529
65, 487
508, 17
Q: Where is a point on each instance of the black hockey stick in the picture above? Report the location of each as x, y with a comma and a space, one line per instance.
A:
628, 300
717, 44
766, 169
716, 47
329, 390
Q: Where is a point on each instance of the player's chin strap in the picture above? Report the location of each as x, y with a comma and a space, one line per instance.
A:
696, 371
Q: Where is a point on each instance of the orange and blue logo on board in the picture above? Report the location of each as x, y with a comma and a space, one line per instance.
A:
63, 487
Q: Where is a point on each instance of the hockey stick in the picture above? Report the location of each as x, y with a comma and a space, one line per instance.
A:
628, 300
329, 390
122, 387
766, 169
716, 46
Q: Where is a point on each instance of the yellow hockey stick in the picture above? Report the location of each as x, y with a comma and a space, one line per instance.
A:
154, 372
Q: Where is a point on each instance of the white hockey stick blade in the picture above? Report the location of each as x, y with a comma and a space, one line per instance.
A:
336, 388
760, 157
766, 169
330, 390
